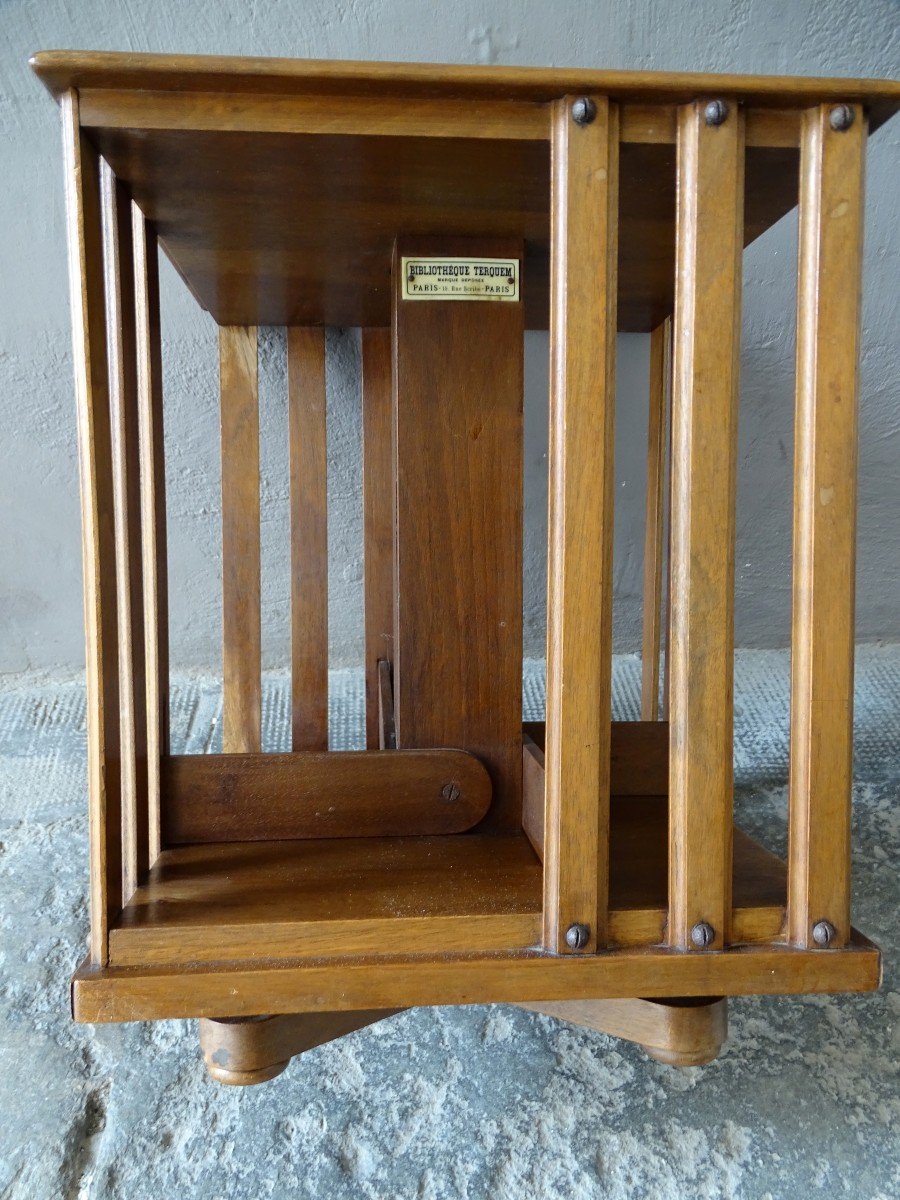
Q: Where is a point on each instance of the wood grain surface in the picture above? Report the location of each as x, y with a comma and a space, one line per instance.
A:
309, 538
825, 449
305, 794
580, 524
458, 394
706, 354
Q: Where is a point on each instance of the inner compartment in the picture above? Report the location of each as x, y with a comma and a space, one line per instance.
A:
313, 231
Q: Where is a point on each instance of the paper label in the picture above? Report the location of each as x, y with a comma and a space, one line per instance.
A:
460, 279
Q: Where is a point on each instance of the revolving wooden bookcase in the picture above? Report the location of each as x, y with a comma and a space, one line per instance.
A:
582, 868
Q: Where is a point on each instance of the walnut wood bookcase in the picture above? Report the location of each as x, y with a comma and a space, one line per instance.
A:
583, 868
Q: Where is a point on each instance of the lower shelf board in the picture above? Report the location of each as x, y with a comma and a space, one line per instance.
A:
370, 897
340, 896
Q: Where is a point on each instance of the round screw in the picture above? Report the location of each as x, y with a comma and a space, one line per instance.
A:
450, 792
584, 110
577, 936
716, 112
703, 935
823, 933
840, 117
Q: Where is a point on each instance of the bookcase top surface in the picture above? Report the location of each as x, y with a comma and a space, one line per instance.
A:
63, 69
278, 186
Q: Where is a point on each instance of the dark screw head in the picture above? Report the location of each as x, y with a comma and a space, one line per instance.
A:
577, 936
716, 112
450, 791
840, 117
823, 933
703, 934
584, 110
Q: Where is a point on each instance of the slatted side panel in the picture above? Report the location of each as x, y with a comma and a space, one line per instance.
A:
584, 202
825, 439
120, 289
309, 538
238, 382
85, 246
378, 520
706, 339
153, 512
660, 377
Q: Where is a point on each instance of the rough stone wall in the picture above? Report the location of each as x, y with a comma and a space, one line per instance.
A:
40, 570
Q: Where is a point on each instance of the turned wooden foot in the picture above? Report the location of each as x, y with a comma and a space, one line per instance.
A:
248, 1050
679, 1032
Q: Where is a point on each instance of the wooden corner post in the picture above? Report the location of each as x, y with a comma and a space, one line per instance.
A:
85, 241
706, 347
584, 245
831, 213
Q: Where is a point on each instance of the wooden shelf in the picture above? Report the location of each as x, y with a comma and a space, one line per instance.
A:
361, 896
388, 896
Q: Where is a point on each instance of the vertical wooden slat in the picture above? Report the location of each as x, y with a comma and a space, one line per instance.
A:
240, 539
378, 518
706, 347
660, 361
85, 246
127, 495
153, 512
831, 210
584, 227
309, 538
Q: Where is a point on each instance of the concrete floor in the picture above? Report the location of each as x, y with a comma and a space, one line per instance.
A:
441, 1103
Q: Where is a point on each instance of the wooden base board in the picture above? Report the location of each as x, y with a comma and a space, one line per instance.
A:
101, 994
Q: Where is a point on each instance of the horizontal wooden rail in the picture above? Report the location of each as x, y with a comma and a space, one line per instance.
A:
368, 793
499, 119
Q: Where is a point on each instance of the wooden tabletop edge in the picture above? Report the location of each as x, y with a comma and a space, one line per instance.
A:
60, 70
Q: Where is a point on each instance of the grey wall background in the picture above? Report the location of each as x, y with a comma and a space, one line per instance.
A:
40, 569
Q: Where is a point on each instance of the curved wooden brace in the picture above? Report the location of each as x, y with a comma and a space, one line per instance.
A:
679, 1032
247, 1050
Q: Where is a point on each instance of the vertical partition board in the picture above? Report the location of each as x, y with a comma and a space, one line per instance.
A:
378, 518
120, 285
153, 512
85, 247
309, 538
706, 346
584, 245
240, 539
458, 386
831, 214
660, 373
